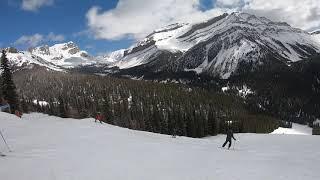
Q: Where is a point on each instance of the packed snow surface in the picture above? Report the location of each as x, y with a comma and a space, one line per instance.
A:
50, 148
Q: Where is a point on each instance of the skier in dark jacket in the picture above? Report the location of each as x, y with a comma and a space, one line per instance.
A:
228, 139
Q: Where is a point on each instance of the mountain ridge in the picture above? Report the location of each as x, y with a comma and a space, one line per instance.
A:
217, 46
58, 57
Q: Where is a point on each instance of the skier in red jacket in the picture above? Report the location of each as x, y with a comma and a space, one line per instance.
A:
99, 117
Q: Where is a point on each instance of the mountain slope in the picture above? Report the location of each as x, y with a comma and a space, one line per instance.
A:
316, 35
219, 46
82, 149
25, 59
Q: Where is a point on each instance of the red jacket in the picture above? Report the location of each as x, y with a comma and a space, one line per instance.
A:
99, 117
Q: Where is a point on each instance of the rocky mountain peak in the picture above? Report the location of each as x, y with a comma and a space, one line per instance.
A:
219, 45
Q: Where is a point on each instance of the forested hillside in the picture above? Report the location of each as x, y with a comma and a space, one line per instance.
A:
291, 93
142, 105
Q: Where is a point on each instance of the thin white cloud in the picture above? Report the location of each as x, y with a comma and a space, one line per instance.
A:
135, 19
34, 5
89, 46
55, 38
229, 3
82, 33
37, 39
139, 17
301, 14
32, 40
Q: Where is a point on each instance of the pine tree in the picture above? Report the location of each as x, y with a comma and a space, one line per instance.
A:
8, 88
107, 113
62, 108
24, 105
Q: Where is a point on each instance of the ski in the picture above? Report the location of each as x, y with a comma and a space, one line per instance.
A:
2, 155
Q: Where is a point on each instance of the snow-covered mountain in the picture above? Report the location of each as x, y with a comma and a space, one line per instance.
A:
25, 59
67, 55
57, 57
111, 58
219, 46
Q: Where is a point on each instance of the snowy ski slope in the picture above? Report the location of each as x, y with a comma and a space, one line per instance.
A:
51, 148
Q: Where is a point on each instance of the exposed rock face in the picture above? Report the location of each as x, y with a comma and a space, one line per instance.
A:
74, 50
44, 50
85, 55
10, 50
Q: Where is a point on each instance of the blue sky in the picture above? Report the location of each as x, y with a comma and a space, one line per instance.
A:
101, 26
64, 17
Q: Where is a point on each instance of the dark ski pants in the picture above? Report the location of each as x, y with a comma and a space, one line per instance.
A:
230, 142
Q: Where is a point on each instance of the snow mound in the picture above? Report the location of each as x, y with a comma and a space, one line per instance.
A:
296, 129
49, 148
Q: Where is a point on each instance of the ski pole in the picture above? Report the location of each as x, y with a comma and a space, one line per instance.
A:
234, 144
5, 142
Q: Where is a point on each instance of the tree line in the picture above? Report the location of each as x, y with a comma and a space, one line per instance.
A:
7, 86
290, 93
141, 105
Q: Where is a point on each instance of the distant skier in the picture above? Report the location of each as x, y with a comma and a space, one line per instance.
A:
99, 117
4, 105
174, 133
18, 113
228, 139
